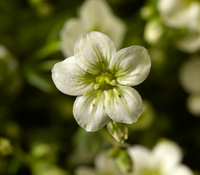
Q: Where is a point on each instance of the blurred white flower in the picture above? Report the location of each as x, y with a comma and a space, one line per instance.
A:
104, 165
190, 43
164, 159
180, 13
101, 77
95, 15
153, 31
193, 104
5, 147
190, 75
190, 80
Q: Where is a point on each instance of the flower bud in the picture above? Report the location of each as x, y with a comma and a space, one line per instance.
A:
124, 162
119, 131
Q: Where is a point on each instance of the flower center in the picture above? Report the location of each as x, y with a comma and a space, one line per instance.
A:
105, 81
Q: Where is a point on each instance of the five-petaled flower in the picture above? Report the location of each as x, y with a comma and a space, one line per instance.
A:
100, 77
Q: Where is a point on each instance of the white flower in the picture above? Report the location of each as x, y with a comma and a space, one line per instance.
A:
96, 15
180, 13
153, 31
189, 78
164, 159
101, 77
104, 165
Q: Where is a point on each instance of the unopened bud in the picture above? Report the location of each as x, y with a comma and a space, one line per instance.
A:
124, 162
119, 131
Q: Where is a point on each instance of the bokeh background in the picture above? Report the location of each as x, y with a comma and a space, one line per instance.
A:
38, 134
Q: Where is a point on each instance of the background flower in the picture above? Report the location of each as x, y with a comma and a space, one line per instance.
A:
94, 16
164, 159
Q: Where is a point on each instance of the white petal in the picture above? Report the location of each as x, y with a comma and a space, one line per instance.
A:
70, 79
106, 165
190, 75
91, 49
189, 43
136, 61
94, 13
182, 170
193, 104
168, 154
124, 109
141, 157
88, 116
69, 34
84, 170
174, 13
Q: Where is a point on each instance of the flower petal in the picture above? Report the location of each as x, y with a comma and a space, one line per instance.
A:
91, 49
141, 157
132, 65
94, 13
125, 108
89, 111
106, 165
182, 170
167, 153
70, 79
69, 34
84, 170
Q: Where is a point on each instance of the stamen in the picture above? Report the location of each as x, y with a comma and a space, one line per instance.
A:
127, 84
85, 93
77, 81
96, 86
107, 80
112, 68
123, 73
93, 105
103, 65
88, 70
113, 83
118, 92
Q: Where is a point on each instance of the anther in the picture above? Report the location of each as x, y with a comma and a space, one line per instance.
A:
93, 104
102, 62
77, 81
127, 84
85, 93
107, 80
96, 86
87, 69
119, 96
127, 72
113, 83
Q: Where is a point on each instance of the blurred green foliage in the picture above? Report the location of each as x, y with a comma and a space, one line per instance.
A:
37, 119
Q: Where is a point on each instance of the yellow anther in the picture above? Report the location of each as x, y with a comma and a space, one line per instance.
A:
108, 101
85, 93
93, 104
107, 80
96, 86
127, 84
113, 83
87, 70
77, 81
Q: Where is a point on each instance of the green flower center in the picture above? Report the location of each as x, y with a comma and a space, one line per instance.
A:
105, 81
